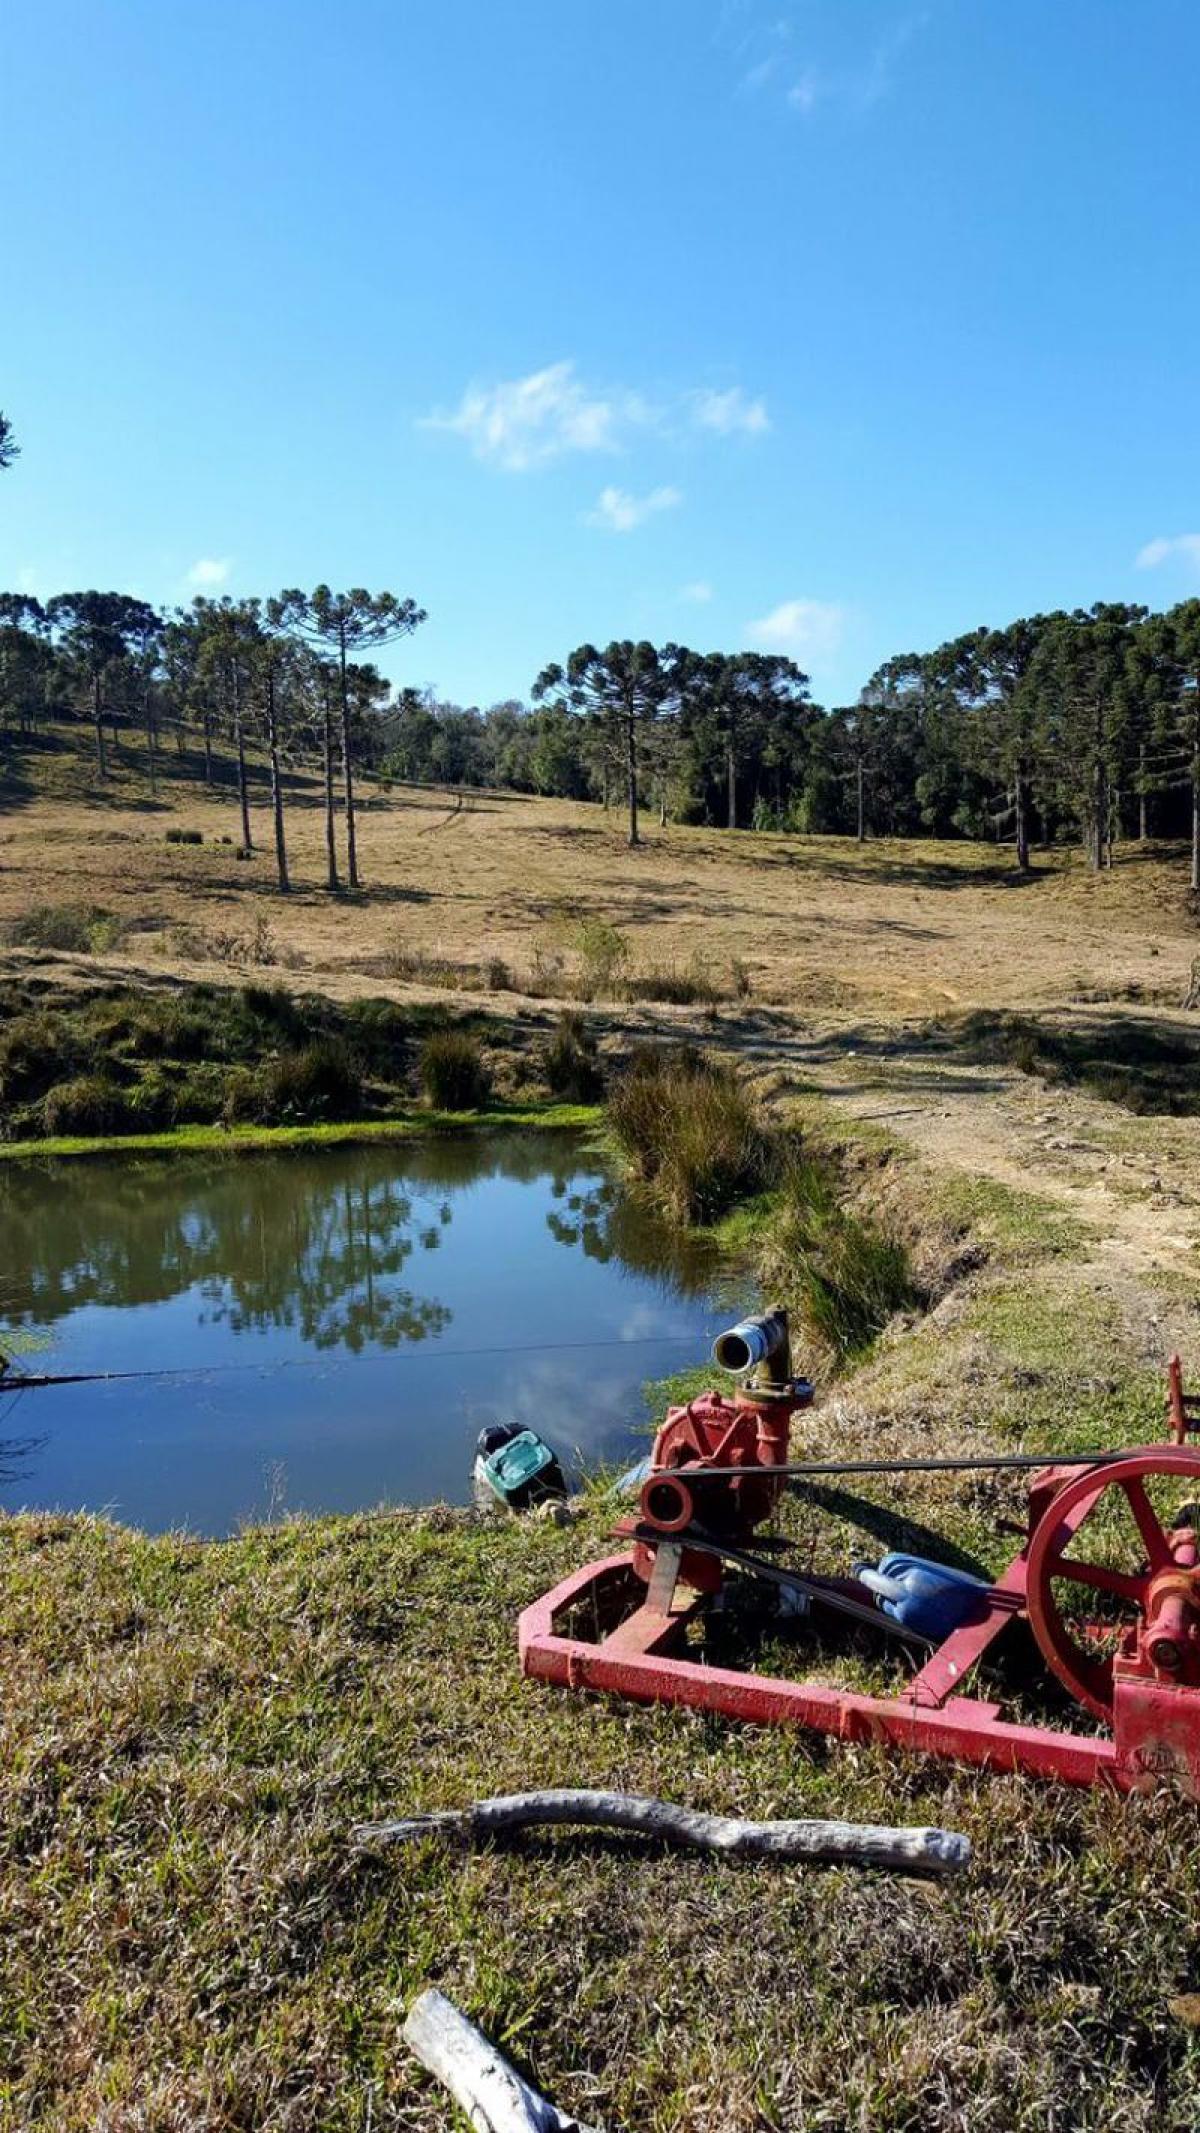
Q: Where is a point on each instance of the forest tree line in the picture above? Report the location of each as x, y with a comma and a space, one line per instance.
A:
1081, 725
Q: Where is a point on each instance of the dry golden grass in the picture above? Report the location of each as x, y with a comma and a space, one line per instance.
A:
820, 924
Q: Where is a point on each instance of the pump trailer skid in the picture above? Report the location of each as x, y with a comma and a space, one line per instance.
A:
718, 1467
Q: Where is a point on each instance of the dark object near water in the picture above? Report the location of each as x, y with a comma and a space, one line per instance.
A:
518, 1466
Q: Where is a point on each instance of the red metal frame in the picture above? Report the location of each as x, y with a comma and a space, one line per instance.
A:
620, 1626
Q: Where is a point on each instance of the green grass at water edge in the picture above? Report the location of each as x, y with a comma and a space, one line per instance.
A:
237, 1139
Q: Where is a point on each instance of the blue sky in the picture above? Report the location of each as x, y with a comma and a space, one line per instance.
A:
831, 326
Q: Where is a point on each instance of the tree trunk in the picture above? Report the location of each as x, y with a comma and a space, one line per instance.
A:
731, 776
1021, 805
281, 865
207, 727
98, 716
151, 745
862, 813
1142, 793
348, 770
239, 738
1098, 813
631, 773
332, 880
1196, 820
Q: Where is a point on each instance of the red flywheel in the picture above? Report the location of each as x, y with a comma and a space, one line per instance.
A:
1147, 1565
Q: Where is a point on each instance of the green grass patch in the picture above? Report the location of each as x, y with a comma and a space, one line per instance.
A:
410, 1125
189, 1730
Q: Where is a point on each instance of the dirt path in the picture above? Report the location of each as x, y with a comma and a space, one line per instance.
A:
1134, 1181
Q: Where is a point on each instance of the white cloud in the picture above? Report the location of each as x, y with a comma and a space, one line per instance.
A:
728, 411
523, 422
209, 572
699, 592
1160, 550
520, 423
805, 93
803, 629
618, 511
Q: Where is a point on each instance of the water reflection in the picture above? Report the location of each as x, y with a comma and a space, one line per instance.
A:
504, 1277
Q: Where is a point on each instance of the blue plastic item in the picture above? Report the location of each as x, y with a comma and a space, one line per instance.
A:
926, 1597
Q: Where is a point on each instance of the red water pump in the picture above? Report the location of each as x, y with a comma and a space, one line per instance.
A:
1117, 1621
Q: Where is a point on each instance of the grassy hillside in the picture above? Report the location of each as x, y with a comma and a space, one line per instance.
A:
1003, 1077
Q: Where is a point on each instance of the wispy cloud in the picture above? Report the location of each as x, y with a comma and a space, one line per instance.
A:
1166, 546
525, 422
698, 593
805, 93
520, 423
757, 76
856, 83
209, 572
727, 412
803, 629
619, 511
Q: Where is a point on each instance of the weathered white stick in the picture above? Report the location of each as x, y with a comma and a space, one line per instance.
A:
489, 2089
925, 1851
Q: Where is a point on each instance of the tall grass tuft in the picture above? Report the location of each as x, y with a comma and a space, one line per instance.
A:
454, 1073
842, 1277
690, 1130
308, 1085
78, 929
570, 1061
90, 1103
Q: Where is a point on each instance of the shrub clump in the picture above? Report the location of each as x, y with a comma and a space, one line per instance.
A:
570, 1062
185, 836
74, 929
454, 1073
89, 1103
603, 951
691, 1131
36, 1051
314, 1083
689, 986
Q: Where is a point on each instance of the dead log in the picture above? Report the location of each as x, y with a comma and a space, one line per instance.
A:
495, 2097
908, 1851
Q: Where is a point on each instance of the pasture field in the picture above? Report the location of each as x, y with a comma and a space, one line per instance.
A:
1005, 1078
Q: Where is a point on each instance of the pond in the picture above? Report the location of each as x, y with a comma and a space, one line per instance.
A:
327, 1329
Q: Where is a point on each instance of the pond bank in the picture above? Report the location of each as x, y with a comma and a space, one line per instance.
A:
231, 1140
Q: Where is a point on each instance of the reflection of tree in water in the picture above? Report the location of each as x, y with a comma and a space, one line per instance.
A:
296, 1241
315, 1240
606, 1223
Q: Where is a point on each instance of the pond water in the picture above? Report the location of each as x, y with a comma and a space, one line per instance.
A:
332, 1327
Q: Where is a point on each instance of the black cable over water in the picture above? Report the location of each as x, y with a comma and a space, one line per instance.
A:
35, 1381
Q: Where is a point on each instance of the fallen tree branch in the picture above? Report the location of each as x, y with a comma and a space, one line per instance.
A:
481, 2080
928, 1851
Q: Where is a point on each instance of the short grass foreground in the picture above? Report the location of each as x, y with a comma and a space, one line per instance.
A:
188, 1939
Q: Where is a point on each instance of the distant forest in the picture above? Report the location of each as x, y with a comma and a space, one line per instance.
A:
1081, 726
